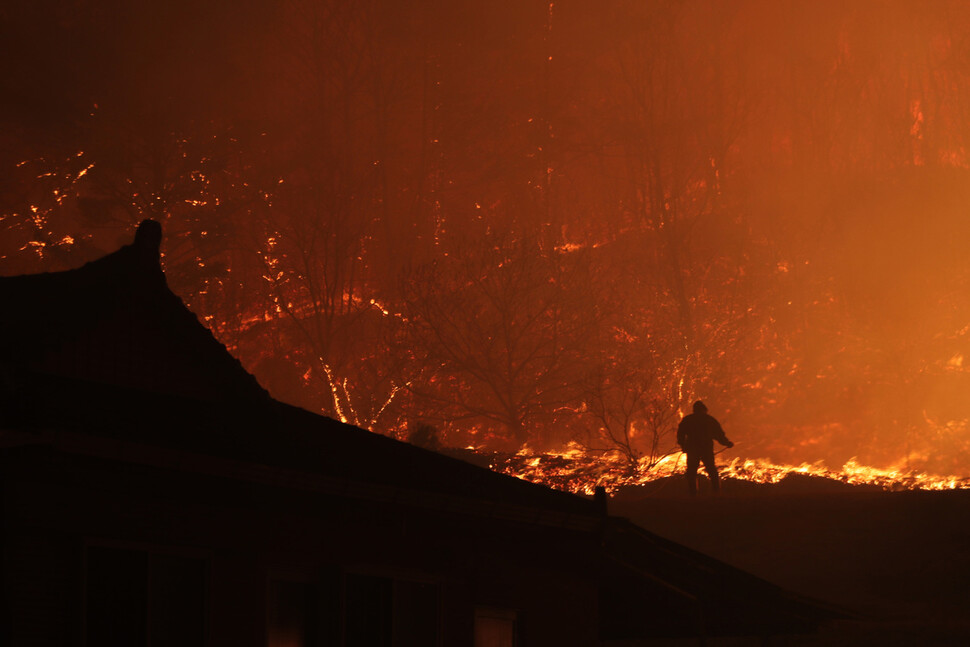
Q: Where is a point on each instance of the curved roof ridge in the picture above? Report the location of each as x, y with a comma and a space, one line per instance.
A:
116, 320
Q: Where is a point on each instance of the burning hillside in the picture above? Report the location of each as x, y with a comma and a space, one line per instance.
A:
526, 223
576, 470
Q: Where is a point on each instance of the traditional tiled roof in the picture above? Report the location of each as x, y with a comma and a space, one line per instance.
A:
115, 321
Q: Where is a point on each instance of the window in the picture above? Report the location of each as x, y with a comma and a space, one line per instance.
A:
291, 619
386, 612
494, 627
136, 597
368, 611
117, 597
415, 614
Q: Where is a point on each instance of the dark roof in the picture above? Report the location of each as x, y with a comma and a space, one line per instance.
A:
115, 321
732, 601
108, 351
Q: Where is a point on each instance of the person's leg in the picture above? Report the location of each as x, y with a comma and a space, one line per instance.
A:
693, 460
711, 468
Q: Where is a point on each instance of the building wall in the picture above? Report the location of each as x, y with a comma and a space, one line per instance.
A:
269, 555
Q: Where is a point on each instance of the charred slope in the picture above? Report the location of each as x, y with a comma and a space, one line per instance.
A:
891, 556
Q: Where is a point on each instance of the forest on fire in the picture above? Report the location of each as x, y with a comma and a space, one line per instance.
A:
530, 222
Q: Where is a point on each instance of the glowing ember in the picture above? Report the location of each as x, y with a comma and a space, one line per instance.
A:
575, 470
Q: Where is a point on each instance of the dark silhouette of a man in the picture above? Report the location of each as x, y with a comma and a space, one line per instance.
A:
696, 435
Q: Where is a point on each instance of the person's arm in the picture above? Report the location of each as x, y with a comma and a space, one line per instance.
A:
681, 433
719, 435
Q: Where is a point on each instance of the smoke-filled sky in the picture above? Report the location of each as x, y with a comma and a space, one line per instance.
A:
526, 221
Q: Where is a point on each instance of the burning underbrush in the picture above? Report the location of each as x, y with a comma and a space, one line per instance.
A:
574, 469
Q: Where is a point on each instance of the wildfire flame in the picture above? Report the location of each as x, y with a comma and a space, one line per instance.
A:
576, 470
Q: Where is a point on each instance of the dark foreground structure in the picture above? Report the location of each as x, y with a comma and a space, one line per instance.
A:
154, 494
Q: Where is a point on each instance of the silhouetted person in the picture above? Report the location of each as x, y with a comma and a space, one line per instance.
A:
696, 435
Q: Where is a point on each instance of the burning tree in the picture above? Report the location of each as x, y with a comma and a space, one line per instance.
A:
501, 329
632, 414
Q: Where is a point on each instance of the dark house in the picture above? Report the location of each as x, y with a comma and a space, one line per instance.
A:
154, 494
